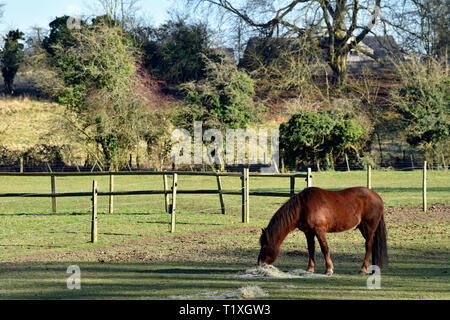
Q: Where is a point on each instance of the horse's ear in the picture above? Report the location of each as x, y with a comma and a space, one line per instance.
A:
264, 236
264, 232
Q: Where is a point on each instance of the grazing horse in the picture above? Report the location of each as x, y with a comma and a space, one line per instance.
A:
316, 211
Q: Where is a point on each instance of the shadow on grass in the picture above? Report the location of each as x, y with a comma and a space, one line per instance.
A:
175, 271
408, 276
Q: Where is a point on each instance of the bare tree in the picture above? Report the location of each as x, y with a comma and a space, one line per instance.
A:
339, 26
421, 25
124, 11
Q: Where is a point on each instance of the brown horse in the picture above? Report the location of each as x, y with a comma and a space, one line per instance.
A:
316, 211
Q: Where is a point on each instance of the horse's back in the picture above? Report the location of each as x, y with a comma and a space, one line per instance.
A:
346, 195
342, 210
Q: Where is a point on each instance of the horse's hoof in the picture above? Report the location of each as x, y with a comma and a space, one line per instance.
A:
329, 273
362, 272
310, 270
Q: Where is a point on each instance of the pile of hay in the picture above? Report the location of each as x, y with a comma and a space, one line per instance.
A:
247, 292
269, 271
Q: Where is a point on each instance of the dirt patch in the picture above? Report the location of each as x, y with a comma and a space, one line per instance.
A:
154, 249
218, 246
434, 212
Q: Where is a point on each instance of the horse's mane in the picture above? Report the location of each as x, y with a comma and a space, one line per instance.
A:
285, 219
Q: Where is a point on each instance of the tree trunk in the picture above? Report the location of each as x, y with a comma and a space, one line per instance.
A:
9, 86
338, 64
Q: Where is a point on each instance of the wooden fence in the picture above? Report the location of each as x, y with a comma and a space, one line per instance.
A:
170, 208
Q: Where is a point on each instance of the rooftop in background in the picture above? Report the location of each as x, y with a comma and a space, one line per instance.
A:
382, 47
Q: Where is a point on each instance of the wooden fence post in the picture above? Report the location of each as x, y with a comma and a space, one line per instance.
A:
174, 202
424, 186
111, 197
292, 186
219, 188
309, 179
53, 185
21, 164
166, 194
369, 176
245, 196
94, 213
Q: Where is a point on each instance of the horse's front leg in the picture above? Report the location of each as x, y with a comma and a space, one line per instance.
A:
311, 250
322, 237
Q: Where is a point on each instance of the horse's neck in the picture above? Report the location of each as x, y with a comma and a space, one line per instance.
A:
279, 230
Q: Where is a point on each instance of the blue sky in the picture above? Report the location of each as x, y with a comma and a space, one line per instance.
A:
24, 14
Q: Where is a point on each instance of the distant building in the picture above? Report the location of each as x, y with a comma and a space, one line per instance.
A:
383, 48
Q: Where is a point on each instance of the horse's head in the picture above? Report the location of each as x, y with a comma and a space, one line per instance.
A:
269, 250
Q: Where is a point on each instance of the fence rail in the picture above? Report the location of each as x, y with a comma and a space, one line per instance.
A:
148, 173
245, 192
170, 208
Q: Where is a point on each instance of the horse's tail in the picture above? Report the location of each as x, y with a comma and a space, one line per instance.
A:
379, 248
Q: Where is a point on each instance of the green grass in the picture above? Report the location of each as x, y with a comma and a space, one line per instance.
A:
208, 262
137, 258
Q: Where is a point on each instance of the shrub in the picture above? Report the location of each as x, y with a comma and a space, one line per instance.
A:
37, 157
174, 51
313, 137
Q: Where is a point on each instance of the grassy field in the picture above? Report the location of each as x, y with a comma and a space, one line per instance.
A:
137, 258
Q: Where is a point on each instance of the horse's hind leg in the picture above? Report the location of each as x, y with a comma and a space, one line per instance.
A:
367, 232
321, 236
311, 250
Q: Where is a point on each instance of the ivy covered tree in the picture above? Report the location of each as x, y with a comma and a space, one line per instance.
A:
11, 57
224, 99
106, 107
